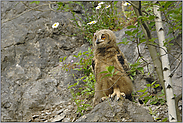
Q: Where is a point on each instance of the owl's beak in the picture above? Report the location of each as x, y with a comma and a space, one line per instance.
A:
97, 41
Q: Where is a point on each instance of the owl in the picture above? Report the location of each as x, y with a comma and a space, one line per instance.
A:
107, 53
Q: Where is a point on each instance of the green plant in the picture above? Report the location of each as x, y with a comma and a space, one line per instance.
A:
104, 16
83, 64
134, 68
154, 113
110, 71
154, 99
83, 89
86, 91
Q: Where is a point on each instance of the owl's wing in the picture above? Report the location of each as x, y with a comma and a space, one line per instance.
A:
122, 60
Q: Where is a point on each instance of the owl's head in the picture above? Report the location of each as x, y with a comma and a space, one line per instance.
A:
104, 38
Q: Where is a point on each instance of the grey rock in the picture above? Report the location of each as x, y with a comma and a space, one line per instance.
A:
60, 111
58, 118
113, 111
30, 49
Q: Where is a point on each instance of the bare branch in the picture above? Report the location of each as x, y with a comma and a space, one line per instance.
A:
173, 72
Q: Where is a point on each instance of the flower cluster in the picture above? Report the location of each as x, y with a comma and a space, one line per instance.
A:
98, 7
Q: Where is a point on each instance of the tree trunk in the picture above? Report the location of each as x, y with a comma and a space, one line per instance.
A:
156, 60
165, 65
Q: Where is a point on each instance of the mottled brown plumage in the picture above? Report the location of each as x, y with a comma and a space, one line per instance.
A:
107, 53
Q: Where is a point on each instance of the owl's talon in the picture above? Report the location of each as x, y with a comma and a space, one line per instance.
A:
117, 99
111, 98
101, 100
123, 95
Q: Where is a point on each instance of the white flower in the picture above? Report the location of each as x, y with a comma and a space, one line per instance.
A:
92, 22
108, 6
55, 25
101, 3
17, 65
98, 7
126, 4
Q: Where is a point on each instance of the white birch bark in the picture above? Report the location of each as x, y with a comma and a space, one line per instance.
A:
152, 50
166, 66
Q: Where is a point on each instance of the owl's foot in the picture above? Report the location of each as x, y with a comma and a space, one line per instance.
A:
104, 98
117, 93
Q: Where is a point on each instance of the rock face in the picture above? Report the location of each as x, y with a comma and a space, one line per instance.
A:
33, 85
30, 51
113, 111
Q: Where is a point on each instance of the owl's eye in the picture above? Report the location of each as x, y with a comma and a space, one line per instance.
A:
102, 37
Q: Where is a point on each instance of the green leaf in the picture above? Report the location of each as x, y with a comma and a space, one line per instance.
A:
131, 78
106, 75
142, 90
151, 17
36, 2
79, 54
133, 73
135, 31
164, 120
115, 2
156, 85
142, 40
143, 94
147, 99
110, 69
168, 3
103, 72
64, 58
140, 68
124, 41
131, 26
148, 73
73, 84
128, 32
153, 83
89, 49
76, 63
150, 110
116, 72
148, 85
152, 39
75, 56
